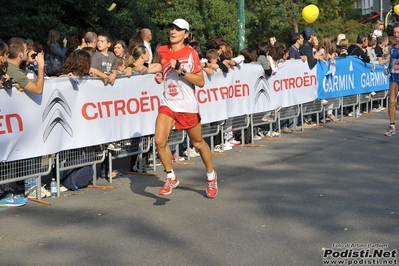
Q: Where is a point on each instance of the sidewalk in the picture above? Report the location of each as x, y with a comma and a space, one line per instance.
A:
279, 204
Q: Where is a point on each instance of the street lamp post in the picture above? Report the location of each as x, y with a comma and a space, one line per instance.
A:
241, 25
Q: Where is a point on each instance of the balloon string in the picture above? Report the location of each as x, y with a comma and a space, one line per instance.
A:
342, 23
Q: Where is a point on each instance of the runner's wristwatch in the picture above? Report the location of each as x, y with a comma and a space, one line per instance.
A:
183, 73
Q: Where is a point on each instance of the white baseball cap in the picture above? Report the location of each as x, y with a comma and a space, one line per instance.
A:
181, 24
340, 37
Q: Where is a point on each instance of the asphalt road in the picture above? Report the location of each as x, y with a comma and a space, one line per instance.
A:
281, 203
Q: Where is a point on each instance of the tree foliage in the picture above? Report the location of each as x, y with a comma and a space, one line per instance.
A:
207, 18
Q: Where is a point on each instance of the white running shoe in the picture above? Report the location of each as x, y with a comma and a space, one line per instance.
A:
391, 131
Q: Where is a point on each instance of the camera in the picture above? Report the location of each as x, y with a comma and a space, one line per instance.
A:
7, 84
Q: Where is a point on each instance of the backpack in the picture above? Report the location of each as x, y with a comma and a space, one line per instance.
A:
77, 178
53, 64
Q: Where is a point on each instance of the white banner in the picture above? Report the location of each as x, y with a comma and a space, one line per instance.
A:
75, 113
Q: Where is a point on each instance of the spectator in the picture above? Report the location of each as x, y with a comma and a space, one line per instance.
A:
370, 51
204, 62
104, 62
120, 50
293, 51
272, 40
31, 65
344, 43
378, 28
89, 50
138, 61
263, 52
340, 37
146, 35
327, 50
17, 53
134, 41
90, 40
122, 57
307, 47
55, 49
359, 48
212, 56
77, 64
219, 44
5, 81
379, 48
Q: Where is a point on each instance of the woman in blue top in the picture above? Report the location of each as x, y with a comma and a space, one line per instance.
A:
55, 48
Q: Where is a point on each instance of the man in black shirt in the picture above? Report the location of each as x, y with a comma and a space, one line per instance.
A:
359, 49
307, 47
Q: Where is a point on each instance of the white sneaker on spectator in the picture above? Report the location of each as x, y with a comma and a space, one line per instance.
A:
192, 153
332, 117
324, 102
273, 134
372, 93
234, 142
350, 114
381, 108
257, 137
114, 147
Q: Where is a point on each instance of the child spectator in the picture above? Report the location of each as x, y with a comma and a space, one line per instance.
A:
204, 62
378, 28
344, 44
104, 61
121, 66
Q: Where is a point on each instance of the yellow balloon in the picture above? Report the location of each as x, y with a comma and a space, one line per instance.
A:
396, 9
310, 13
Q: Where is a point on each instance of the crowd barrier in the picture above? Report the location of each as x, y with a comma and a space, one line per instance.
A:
241, 98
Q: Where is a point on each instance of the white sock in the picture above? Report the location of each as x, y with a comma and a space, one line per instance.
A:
171, 175
210, 176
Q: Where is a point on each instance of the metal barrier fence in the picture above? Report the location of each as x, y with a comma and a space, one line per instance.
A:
348, 101
265, 118
310, 108
233, 124
378, 96
333, 104
210, 131
129, 147
40, 166
365, 98
290, 112
27, 168
75, 158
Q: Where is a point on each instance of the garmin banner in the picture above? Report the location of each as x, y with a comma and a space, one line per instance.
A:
349, 76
